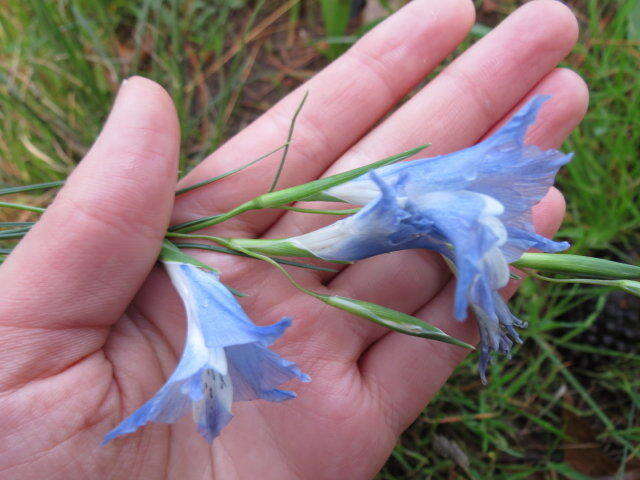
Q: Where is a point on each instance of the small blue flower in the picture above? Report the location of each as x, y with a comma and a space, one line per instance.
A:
472, 206
225, 359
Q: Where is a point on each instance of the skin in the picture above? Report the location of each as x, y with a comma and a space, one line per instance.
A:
90, 329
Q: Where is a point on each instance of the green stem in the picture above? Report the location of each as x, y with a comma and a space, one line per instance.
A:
292, 194
14, 233
346, 211
230, 172
629, 286
18, 206
233, 246
28, 188
16, 224
383, 316
203, 222
265, 246
272, 247
217, 248
583, 281
577, 265
286, 148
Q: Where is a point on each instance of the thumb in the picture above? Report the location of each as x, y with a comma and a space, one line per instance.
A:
79, 267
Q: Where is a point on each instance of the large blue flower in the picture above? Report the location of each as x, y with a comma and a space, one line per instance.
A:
225, 359
472, 206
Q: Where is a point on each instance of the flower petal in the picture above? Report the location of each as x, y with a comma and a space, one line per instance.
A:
225, 358
167, 406
256, 371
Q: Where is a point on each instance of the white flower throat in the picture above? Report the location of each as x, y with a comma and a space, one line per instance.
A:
217, 392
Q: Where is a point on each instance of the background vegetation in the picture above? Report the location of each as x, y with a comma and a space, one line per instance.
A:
568, 405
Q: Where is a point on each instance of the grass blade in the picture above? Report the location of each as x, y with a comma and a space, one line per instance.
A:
288, 142
29, 188
229, 173
17, 206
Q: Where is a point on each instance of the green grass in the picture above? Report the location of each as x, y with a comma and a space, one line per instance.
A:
61, 62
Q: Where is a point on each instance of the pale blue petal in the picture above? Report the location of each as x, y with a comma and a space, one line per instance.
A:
459, 222
524, 238
381, 226
212, 411
220, 336
212, 419
166, 406
256, 371
220, 317
502, 166
447, 222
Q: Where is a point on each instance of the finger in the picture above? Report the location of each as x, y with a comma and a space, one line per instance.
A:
406, 372
467, 98
344, 101
79, 267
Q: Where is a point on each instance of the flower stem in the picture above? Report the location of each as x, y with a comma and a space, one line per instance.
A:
275, 246
229, 173
218, 248
292, 194
286, 148
578, 265
387, 317
346, 211
231, 244
28, 188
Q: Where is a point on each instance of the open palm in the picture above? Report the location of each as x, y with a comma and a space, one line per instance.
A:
89, 329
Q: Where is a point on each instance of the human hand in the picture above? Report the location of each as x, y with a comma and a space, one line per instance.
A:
89, 330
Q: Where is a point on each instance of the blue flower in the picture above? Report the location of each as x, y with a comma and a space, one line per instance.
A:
225, 359
472, 206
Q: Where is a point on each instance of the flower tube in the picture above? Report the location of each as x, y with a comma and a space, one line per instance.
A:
225, 359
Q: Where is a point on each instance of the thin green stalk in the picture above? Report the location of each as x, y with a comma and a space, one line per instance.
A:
286, 148
291, 194
577, 265
28, 188
14, 233
204, 222
583, 281
16, 224
629, 286
18, 206
216, 248
275, 246
346, 211
59, 183
231, 245
229, 173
